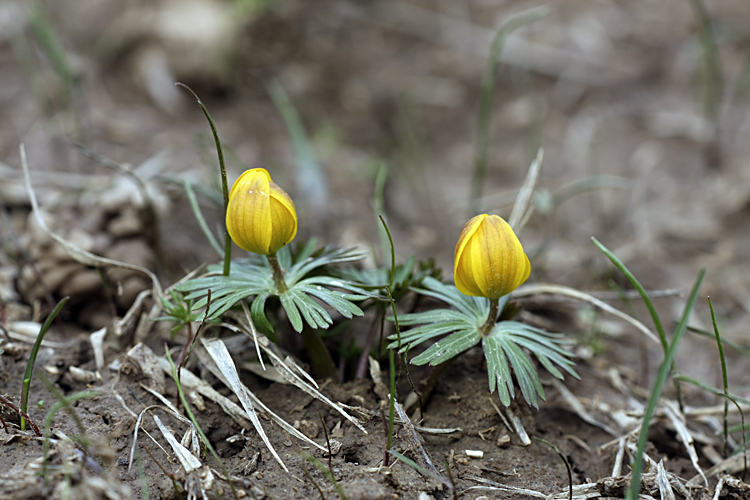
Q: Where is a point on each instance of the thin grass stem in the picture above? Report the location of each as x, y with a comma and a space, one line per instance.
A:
565, 461
713, 88
649, 305
222, 167
661, 378
391, 354
724, 378
489, 79
328, 474
314, 483
33, 355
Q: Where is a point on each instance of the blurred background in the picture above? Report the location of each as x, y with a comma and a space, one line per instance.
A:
357, 107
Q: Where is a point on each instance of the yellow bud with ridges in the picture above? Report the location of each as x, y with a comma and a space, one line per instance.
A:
489, 261
261, 217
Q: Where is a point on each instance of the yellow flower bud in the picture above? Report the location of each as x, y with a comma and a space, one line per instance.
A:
489, 261
260, 216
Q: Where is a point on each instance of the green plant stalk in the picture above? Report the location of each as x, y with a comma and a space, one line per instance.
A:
649, 305
491, 321
713, 87
485, 100
198, 429
320, 357
718, 392
278, 274
391, 401
391, 354
661, 378
378, 205
223, 169
33, 355
724, 378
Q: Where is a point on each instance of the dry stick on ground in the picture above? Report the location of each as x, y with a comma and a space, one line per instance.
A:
16, 409
309, 477
328, 441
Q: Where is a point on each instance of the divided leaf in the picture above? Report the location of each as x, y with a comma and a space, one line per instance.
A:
506, 348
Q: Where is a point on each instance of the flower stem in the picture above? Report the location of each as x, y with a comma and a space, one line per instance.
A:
491, 318
222, 168
278, 274
320, 357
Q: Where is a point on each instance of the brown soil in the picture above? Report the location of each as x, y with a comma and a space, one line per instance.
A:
613, 91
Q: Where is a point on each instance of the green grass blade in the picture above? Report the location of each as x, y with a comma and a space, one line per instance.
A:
310, 175
649, 305
201, 220
33, 355
485, 100
724, 378
648, 413
414, 465
734, 345
641, 291
713, 390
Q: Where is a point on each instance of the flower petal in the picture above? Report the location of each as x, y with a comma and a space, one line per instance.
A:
283, 217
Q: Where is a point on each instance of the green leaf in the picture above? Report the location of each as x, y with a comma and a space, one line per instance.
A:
451, 346
505, 349
292, 313
247, 278
336, 300
307, 261
315, 315
252, 276
416, 336
258, 315
471, 306
427, 317
498, 370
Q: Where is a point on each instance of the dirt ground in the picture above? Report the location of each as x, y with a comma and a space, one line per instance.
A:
641, 109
